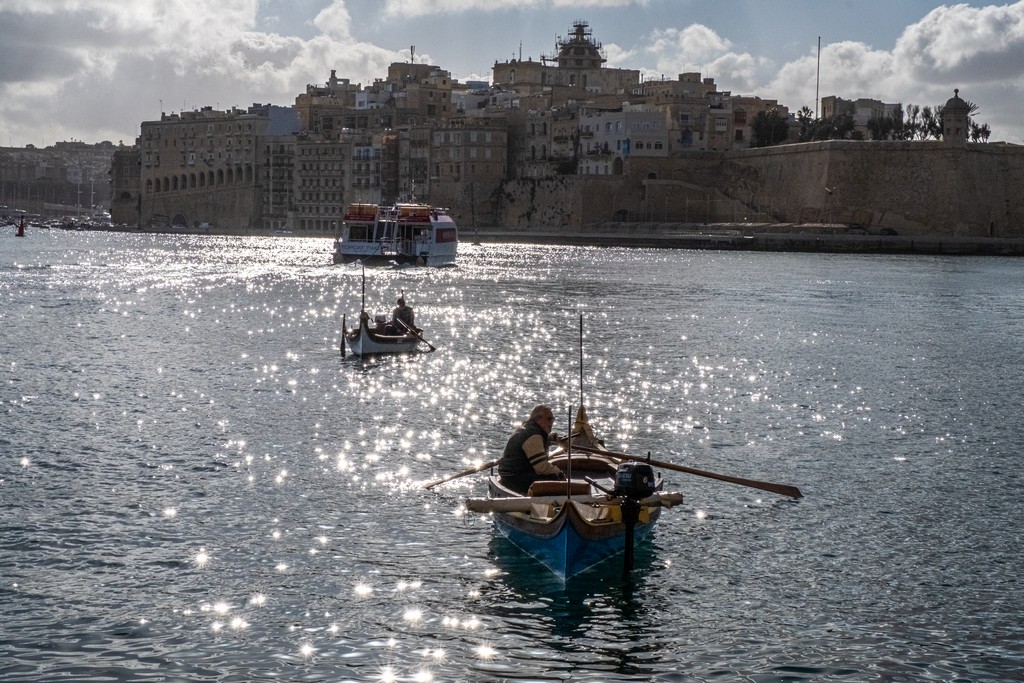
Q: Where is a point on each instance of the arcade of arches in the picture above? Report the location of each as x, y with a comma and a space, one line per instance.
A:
198, 180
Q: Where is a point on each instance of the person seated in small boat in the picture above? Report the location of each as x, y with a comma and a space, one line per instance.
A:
525, 458
402, 314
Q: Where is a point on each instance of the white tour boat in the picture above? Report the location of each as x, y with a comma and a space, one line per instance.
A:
417, 234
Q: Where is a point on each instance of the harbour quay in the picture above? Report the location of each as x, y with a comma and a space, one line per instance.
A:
746, 237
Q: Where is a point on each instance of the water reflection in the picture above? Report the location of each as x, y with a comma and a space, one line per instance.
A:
195, 479
599, 619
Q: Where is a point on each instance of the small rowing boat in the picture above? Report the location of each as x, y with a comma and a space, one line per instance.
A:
371, 341
381, 338
602, 508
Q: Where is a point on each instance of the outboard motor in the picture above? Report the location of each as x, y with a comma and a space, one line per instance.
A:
635, 480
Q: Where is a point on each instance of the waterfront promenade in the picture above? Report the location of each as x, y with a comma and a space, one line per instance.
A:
753, 237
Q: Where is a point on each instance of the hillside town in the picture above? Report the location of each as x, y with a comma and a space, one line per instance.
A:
561, 142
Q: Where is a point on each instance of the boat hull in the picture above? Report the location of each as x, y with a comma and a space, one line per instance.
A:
575, 523
570, 544
376, 259
363, 342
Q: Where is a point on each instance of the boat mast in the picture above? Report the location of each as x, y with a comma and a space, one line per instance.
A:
581, 359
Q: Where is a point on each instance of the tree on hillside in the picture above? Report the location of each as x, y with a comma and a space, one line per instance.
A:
880, 127
891, 127
980, 133
838, 127
805, 119
913, 123
768, 128
931, 123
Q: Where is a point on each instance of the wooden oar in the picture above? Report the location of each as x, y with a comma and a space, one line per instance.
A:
781, 489
416, 334
481, 468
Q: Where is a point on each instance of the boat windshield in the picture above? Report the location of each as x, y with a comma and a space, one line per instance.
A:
360, 232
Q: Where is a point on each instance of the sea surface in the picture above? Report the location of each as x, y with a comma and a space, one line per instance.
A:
195, 485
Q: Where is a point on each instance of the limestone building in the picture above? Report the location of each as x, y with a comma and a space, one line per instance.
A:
860, 111
199, 168
576, 71
126, 186
467, 163
608, 138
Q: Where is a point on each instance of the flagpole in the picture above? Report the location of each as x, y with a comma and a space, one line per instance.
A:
817, 80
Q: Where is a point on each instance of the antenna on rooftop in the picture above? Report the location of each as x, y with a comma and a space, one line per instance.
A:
412, 54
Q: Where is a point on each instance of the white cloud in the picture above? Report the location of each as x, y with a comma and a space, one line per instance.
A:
416, 8
984, 44
695, 44
698, 48
94, 69
334, 21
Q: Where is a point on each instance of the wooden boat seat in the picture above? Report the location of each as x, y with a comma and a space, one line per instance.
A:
557, 488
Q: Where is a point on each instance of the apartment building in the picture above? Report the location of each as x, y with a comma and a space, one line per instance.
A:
861, 110
608, 138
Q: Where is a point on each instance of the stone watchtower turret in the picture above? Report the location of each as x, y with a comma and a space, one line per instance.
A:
954, 120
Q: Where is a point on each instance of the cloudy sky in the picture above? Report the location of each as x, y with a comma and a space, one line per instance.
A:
92, 70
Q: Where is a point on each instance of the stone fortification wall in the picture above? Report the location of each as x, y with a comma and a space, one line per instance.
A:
223, 210
908, 187
911, 188
539, 203
665, 190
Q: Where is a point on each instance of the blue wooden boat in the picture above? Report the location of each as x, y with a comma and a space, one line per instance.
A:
600, 511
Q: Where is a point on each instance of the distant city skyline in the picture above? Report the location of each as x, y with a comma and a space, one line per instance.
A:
93, 70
